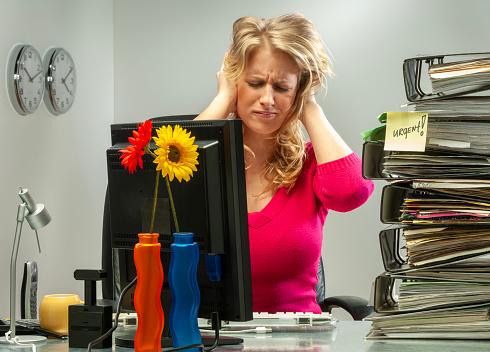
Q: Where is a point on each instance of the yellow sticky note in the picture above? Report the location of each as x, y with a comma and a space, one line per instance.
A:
406, 131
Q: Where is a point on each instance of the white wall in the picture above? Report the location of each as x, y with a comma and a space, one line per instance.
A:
60, 159
167, 55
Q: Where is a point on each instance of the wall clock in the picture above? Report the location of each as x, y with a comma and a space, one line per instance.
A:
61, 81
25, 79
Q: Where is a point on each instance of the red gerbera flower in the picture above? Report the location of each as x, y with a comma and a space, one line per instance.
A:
132, 155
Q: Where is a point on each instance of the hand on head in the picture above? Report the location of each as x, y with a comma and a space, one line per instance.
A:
310, 102
225, 101
227, 89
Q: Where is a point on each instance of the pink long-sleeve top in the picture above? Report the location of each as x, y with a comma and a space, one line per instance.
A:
286, 236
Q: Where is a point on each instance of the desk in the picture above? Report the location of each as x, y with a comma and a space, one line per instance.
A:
348, 336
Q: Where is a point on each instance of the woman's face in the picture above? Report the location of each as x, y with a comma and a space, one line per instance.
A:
267, 90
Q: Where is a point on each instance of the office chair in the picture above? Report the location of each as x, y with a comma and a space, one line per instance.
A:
357, 307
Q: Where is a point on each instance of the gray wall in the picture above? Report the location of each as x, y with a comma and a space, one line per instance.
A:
140, 59
60, 159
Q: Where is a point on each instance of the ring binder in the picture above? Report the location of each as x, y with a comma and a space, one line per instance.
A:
395, 259
412, 75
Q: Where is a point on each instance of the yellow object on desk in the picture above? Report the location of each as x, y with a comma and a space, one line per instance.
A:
53, 311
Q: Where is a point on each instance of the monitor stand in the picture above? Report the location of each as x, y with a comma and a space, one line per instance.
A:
207, 340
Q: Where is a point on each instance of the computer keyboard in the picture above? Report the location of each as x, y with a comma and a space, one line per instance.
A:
278, 322
19, 329
29, 326
29, 323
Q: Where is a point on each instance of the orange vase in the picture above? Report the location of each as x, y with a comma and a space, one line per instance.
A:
147, 301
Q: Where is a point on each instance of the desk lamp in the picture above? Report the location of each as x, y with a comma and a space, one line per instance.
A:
37, 216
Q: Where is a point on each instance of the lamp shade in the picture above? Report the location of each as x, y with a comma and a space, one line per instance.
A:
37, 215
39, 218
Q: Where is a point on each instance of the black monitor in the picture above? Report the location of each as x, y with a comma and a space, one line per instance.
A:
212, 205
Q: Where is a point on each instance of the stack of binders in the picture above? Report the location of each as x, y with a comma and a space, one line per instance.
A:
435, 251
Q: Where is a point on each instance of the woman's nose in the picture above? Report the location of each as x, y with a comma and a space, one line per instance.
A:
267, 96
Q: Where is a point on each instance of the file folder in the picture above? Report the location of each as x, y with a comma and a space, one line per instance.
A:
379, 164
396, 259
415, 71
388, 289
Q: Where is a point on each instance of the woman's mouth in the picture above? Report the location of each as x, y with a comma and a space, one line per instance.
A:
265, 114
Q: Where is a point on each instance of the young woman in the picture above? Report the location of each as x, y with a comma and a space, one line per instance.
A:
269, 79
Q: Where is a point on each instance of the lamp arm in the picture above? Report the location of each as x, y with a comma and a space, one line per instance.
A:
13, 265
38, 244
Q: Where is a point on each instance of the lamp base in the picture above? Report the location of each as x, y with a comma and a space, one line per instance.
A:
24, 339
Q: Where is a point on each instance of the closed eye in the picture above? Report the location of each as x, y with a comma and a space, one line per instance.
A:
255, 84
277, 87
281, 88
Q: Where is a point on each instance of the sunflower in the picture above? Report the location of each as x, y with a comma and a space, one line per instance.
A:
132, 155
176, 155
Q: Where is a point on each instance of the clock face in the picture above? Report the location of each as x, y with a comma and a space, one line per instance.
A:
61, 81
25, 79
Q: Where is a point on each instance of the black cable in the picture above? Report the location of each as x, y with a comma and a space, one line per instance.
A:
213, 269
216, 325
216, 341
116, 318
215, 319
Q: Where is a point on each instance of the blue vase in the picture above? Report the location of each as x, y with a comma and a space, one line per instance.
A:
186, 297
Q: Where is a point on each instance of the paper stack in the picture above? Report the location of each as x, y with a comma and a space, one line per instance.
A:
436, 250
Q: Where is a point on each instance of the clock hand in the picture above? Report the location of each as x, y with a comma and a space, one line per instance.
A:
30, 79
64, 82
38, 72
71, 69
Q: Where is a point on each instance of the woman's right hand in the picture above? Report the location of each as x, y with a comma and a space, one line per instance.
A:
225, 101
227, 89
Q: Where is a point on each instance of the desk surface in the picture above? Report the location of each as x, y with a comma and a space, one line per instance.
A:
347, 336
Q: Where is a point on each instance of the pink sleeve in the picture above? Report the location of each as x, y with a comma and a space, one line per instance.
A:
339, 184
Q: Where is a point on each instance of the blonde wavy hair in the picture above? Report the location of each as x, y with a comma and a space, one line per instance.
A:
296, 36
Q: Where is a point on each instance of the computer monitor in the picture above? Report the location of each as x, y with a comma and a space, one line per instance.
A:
212, 205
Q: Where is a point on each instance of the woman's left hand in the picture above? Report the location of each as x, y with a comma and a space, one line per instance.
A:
310, 104
327, 143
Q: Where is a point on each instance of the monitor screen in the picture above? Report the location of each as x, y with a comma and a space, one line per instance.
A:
212, 205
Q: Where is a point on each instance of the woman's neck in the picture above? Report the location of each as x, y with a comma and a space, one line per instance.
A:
262, 146
263, 149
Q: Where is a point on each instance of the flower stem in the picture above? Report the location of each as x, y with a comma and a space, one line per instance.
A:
172, 205
155, 195
147, 150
